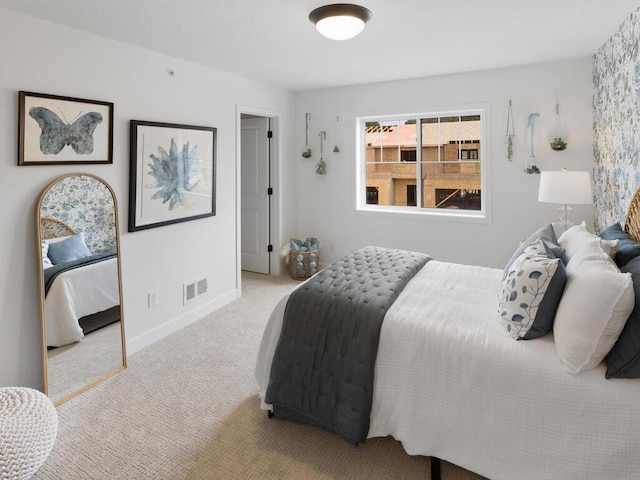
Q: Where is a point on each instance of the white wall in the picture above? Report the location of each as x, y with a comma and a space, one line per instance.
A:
62, 61
42, 57
326, 204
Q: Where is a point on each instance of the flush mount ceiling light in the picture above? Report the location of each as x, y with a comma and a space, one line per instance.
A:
340, 21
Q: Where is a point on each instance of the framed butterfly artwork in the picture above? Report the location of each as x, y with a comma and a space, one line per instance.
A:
172, 173
56, 130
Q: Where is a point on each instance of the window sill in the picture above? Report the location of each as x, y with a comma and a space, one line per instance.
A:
465, 216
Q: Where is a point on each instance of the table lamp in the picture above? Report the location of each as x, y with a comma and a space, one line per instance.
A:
565, 187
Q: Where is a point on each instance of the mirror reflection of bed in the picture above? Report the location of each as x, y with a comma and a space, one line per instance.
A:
81, 292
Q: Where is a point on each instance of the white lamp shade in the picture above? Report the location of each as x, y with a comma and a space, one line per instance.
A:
340, 28
565, 187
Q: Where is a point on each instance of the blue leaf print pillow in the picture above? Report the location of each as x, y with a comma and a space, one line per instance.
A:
530, 292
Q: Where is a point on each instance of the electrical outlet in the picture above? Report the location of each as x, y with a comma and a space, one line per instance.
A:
152, 298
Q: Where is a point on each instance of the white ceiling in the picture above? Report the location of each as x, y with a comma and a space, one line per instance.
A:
273, 41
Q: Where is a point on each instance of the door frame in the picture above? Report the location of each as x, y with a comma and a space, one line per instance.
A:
274, 215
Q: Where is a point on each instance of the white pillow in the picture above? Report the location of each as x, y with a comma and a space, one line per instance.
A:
574, 237
46, 261
594, 308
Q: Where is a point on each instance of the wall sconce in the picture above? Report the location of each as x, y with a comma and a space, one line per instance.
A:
340, 21
566, 188
557, 135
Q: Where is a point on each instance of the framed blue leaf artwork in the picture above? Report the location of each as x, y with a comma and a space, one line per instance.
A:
56, 130
172, 173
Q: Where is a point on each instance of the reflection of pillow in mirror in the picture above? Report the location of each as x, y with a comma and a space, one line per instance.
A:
72, 248
46, 261
58, 239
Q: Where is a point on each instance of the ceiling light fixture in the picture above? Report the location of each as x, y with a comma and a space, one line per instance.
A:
340, 21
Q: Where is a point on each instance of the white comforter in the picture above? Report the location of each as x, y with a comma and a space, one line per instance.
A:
451, 383
77, 293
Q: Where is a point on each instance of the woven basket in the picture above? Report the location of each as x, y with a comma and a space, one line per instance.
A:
302, 265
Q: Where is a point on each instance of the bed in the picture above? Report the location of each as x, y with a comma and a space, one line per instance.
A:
81, 291
457, 379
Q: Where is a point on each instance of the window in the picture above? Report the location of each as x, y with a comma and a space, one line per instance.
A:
372, 195
428, 163
468, 154
411, 195
408, 155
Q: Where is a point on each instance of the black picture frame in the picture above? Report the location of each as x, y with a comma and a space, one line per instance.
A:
172, 175
57, 130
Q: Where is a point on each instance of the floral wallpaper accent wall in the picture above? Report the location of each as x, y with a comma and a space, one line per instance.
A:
86, 205
616, 122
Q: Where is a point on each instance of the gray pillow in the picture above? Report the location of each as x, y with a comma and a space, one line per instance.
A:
547, 234
623, 361
68, 250
627, 248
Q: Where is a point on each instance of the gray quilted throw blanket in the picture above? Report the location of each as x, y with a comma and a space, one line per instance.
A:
323, 367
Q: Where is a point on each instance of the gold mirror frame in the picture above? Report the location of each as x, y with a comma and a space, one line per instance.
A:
59, 228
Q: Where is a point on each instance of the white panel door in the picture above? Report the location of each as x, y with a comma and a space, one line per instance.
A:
254, 157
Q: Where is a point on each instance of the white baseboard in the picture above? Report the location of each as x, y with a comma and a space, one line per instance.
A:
138, 343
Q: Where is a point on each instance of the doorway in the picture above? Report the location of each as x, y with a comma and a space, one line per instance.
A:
256, 192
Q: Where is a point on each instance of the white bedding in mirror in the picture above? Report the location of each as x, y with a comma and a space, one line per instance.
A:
77, 293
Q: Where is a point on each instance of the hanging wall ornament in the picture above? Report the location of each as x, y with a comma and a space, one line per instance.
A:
307, 124
321, 167
510, 137
557, 136
531, 165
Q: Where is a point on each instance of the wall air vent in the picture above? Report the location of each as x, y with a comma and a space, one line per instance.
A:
195, 289
203, 286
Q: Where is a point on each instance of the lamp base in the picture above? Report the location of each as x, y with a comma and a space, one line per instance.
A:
565, 220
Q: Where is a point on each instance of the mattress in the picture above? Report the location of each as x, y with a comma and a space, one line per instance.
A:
450, 382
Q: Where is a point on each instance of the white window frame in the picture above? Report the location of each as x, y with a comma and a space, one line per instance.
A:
484, 153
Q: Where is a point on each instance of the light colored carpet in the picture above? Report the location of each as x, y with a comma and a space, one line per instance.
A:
73, 366
187, 408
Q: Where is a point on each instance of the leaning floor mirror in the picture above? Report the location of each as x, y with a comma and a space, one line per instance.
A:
80, 285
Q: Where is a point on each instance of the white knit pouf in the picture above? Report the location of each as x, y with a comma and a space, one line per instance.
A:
28, 429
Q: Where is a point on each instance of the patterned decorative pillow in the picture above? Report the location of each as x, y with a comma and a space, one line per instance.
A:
531, 291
